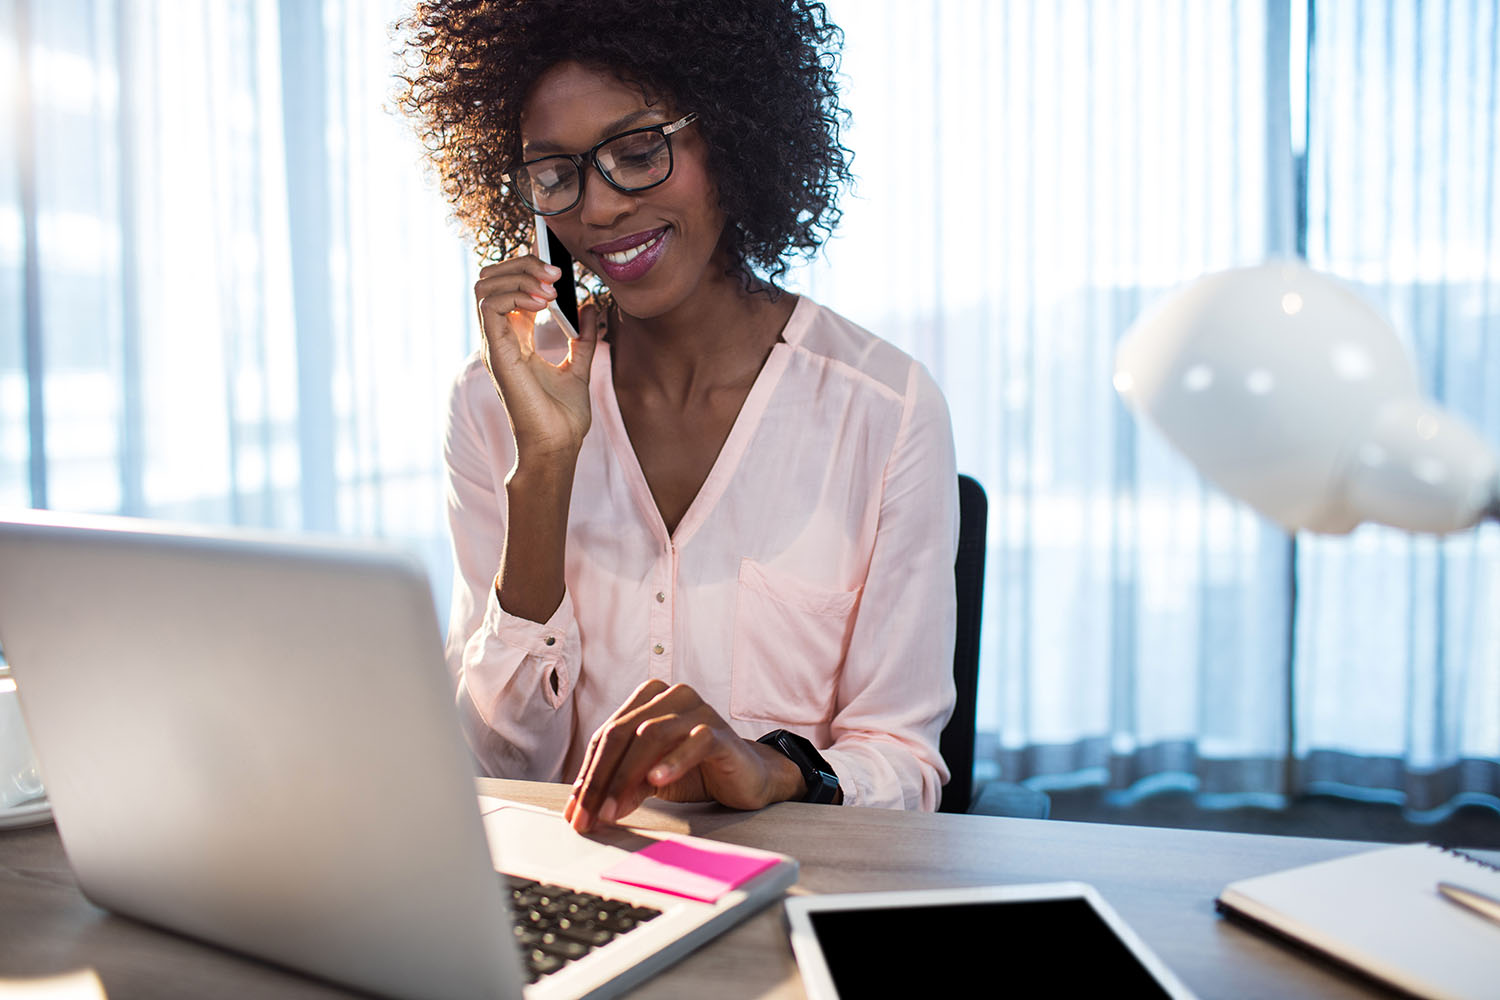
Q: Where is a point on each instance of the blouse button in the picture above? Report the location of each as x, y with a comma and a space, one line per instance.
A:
660, 597
551, 639
658, 649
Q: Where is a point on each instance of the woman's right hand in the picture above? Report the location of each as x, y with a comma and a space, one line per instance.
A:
548, 404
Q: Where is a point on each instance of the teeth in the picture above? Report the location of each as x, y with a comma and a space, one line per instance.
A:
626, 256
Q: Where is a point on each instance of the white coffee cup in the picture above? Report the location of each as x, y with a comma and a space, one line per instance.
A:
20, 778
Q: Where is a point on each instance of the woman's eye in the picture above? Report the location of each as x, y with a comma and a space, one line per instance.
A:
551, 178
644, 151
633, 159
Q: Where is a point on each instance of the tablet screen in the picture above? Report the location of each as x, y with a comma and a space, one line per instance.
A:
890, 951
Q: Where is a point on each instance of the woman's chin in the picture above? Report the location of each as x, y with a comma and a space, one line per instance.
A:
640, 301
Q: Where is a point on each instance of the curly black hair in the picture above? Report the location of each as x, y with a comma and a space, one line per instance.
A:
759, 73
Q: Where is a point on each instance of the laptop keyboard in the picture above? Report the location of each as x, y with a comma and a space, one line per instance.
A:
555, 925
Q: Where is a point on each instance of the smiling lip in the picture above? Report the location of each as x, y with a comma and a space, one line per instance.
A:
630, 257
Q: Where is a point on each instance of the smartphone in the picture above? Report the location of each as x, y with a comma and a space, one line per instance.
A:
564, 308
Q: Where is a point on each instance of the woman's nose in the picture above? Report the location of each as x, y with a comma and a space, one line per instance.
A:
602, 203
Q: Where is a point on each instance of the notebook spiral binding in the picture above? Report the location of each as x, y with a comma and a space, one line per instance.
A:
1465, 856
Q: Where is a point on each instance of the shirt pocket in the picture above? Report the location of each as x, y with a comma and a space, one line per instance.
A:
789, 643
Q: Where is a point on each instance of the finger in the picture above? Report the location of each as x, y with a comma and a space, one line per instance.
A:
528, 263
653, 738
574, 811
659, 726
605, 781
592, 321
682, 758
517, 287
507, 343
503, 299
526, 274
640, 696
591, 328
571, 805
497, 307
606, 747
631, 802
508, 308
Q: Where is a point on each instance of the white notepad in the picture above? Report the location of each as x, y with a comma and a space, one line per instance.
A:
1380, 913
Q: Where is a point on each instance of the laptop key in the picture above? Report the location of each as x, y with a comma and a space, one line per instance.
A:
553, 944
580, 901
590, 935
540, 964
556, 925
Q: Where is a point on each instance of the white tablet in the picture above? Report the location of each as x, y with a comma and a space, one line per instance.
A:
898, 943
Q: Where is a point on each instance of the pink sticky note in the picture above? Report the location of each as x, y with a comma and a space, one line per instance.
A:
683, 870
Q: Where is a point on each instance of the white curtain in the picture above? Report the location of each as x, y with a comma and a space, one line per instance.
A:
1398, 639
228, 293
1033, 174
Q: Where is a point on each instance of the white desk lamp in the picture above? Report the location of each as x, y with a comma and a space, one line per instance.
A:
1292, 394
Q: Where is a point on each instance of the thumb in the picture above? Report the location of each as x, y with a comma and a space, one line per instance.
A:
592, 325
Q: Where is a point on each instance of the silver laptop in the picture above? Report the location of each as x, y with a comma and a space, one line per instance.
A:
252, 740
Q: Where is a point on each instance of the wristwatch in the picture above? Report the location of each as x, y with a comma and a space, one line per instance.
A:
822, 783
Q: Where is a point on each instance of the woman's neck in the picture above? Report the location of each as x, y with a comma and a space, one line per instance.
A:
717, 339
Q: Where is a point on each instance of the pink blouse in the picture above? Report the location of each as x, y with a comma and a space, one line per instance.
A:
808, 587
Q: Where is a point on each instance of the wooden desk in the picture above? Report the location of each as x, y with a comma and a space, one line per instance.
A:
1163, 883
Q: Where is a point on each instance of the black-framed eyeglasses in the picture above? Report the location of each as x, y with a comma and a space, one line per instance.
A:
629, 162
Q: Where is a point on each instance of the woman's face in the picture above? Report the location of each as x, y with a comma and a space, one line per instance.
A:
652, 248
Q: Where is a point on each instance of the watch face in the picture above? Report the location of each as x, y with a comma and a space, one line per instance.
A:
796, 743
822, 783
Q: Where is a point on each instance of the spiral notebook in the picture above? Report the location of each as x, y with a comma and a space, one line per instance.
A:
1380, 914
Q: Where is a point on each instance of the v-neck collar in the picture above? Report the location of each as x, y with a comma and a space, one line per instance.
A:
607, 411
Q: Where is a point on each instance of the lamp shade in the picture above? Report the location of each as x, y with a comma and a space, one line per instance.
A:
1288, 391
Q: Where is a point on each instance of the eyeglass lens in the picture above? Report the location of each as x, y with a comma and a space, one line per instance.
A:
631, 162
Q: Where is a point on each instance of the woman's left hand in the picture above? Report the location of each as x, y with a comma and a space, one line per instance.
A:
666, 741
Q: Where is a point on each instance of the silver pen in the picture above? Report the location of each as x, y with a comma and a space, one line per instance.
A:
1485, 906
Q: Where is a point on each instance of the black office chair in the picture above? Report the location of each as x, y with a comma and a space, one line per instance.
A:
956, 744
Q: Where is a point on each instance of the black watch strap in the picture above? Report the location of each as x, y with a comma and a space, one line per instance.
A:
822, 783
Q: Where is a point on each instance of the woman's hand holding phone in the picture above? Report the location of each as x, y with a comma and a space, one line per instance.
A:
548, 404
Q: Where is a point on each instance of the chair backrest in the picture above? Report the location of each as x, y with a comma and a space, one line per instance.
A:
957, 741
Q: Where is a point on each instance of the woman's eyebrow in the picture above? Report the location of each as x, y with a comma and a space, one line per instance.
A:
621, 124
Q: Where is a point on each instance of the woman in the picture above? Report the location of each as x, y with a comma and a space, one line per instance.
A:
709, 553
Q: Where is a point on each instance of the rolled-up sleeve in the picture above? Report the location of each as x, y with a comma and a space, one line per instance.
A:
514, 678
896, 691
